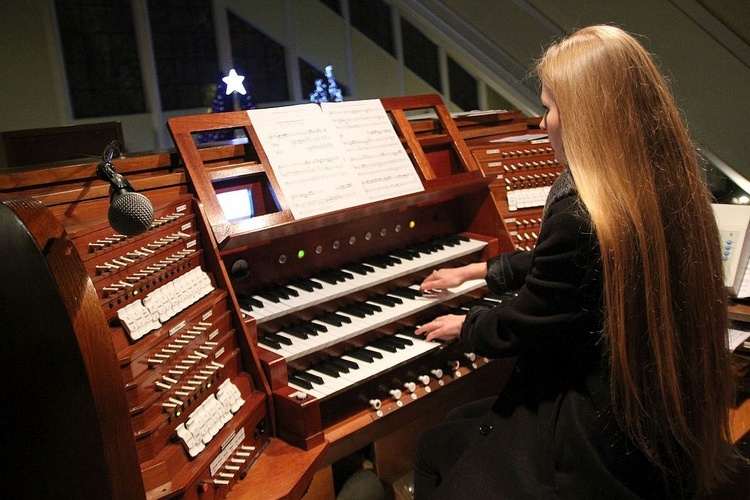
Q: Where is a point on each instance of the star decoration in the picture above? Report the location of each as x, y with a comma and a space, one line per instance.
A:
234, 83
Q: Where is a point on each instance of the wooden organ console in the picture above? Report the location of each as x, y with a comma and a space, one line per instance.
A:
330, 300
212, 357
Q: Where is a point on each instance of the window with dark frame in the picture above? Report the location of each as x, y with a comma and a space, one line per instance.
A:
101, 57
373, 19
463, 87
260, 59
421, 54
184, 48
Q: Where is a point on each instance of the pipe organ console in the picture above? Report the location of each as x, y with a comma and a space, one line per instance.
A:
241, 356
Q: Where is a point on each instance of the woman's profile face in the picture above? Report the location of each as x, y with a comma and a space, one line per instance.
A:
551, 123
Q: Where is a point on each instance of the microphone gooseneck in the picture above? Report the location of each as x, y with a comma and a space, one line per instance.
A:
130, 213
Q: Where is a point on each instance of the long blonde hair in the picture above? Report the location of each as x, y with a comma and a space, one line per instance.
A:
664, 301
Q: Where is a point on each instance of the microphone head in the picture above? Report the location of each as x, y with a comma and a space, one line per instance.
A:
130, 213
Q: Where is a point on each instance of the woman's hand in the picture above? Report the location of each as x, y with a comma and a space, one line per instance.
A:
446, 327
443, 279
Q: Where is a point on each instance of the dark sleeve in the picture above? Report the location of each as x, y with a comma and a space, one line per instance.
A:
559, 298
507, 271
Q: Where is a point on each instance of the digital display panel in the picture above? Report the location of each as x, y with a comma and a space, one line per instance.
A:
236, 204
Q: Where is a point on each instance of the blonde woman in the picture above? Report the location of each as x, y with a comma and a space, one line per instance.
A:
623, 382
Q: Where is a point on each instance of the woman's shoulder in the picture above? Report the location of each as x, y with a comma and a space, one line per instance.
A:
567, 207
567, 225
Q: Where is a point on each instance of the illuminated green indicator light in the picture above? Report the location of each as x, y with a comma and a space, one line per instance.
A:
300, 254
412, 224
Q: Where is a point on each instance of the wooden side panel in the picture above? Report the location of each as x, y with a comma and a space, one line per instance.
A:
66, 426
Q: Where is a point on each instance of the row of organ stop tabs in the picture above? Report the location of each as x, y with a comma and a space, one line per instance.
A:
522, 167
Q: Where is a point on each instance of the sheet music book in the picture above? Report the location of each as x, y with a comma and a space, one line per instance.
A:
334, 156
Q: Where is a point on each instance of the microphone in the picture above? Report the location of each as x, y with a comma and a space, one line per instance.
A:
130, 213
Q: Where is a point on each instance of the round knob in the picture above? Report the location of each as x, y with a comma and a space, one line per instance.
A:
375, 403
410, 386
437, 372
425, 379
470, 356
202, 487
454, 365
396, 393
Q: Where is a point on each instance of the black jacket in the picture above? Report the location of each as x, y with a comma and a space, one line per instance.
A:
550, 433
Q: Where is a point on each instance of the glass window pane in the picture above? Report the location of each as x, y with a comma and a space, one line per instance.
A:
101, 57
260, 60
420, 54
185, 52
463, 87
373, 19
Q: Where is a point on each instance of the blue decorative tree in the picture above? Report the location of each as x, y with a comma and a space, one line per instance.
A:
327, 91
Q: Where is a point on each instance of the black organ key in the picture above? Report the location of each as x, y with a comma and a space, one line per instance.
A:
326, 369
409, 332
269, 296
296, 331
425, 248
334, 319
339, 367
383, 261
361, 269
372, 307
459, 311
291, 292
406, 253
406, 341
279, 339
353, 310
386, 346
406, 293
315, 327
307, 285
375, 354
343, 275
278, 291
300, 382
393, 260
344, 363
268, 342
386, 300
400, 341
364, 308
329, 277
376, 262
361, 354
312, 378
447, 241
249, 302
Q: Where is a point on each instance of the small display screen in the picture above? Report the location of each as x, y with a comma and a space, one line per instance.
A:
236, 204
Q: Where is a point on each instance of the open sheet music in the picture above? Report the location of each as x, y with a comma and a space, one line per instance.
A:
334, 156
